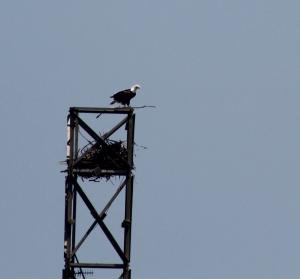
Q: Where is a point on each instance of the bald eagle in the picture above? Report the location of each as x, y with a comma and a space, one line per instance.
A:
123, 97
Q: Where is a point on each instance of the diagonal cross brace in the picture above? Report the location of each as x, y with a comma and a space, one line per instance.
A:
104, 137
97, 138
90, 131
100, 222
101, 215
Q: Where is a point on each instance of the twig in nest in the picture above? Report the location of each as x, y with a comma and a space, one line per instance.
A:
144, 107
89, 142
141, 146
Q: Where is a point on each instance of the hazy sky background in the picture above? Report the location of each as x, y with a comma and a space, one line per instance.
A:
217, 190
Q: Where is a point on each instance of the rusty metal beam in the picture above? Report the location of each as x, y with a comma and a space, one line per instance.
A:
97, 265
123, 110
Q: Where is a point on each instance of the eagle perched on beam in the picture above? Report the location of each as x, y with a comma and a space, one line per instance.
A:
123, 97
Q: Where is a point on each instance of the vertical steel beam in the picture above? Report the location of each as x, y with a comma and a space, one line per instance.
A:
127, 224
129, 195
69, 199
74, 200
130, 138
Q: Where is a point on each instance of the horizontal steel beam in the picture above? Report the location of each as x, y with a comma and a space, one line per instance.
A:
96, 265
125, 110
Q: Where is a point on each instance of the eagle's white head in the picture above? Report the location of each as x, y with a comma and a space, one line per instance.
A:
135, 88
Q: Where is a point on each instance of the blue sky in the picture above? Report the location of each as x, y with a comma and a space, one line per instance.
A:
217, 190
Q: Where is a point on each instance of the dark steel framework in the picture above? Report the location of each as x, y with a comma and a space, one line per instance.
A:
73, 189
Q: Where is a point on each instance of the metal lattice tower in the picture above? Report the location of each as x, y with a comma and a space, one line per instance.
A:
103, 158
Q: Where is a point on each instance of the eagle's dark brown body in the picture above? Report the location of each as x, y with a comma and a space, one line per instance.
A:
123, 97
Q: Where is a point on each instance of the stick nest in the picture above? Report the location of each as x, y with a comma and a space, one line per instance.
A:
97, 158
